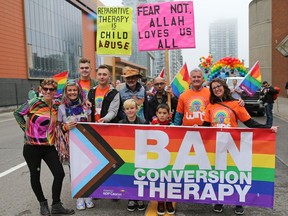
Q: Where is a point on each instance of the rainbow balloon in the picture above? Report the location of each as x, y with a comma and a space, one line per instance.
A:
226, 67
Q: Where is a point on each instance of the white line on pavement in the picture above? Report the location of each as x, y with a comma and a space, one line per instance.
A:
7, 120
12, 169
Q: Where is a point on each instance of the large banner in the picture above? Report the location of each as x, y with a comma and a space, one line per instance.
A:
172, 163
114, 31
168, 25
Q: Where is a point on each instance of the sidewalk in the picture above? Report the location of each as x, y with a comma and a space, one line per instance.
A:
7, 109
281, 108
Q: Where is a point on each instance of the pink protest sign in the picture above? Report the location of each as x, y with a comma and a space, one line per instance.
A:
168, 25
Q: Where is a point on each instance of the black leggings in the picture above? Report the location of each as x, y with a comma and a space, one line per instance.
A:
33, 155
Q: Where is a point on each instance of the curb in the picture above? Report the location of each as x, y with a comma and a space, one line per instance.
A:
7, 109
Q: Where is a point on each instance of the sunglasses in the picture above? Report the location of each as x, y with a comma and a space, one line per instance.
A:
159, 84
46, 89
84, 68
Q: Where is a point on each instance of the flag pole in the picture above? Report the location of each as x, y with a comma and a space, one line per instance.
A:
168, 77
113, 70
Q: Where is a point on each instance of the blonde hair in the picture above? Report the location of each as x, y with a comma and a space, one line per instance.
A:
130, 103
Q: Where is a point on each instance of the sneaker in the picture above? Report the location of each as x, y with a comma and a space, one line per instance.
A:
59, 209
80, 204
131, 205
239, 210
89, 203
44, 208
160, 208
169, 208
140, 205
218, 208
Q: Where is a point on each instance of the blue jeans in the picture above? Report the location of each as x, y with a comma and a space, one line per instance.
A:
269, 115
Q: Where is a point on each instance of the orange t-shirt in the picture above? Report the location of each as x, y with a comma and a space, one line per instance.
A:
192, 105
99, 96
221, 116
85, 85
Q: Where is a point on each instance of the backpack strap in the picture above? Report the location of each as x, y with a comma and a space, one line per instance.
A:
228, 108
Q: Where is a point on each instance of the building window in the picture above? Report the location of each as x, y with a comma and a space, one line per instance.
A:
53, 37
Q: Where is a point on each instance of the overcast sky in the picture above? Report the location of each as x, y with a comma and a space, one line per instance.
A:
209, 11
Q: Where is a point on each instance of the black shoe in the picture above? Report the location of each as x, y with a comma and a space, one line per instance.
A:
59, 209
160, 208
218, 208
140, 205
239, 210
169, 208
131, 206
44, 208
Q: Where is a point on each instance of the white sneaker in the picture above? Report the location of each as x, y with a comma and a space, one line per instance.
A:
80, 204
89, 203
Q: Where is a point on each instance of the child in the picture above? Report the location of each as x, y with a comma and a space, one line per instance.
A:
162, 113
130, 108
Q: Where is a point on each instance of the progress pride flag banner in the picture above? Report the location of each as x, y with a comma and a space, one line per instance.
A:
232, 166
168, 25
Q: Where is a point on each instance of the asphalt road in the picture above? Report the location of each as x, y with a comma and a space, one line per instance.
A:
18, 199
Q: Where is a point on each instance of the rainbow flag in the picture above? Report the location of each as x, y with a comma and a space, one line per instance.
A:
252, 81
134, 160
61, 79
180, 83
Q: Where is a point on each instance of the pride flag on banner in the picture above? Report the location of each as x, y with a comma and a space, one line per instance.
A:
61, 79
252, 81
180, 83
144, 162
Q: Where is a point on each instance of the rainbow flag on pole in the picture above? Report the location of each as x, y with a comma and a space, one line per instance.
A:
61, 79
180, 83
252, 81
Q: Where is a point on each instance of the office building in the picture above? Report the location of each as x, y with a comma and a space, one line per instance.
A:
223, 39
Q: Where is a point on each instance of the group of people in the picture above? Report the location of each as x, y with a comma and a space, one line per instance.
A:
47, 124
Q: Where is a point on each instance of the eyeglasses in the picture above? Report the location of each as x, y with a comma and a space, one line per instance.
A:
82, 68
46, 89
218, 86
159, 84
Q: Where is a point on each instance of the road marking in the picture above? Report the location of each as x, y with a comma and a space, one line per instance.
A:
12, 169
7, 120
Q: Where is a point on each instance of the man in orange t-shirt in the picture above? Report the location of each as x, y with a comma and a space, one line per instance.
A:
85, 80
192, 102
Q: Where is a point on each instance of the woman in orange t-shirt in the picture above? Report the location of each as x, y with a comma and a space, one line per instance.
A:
224, 111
